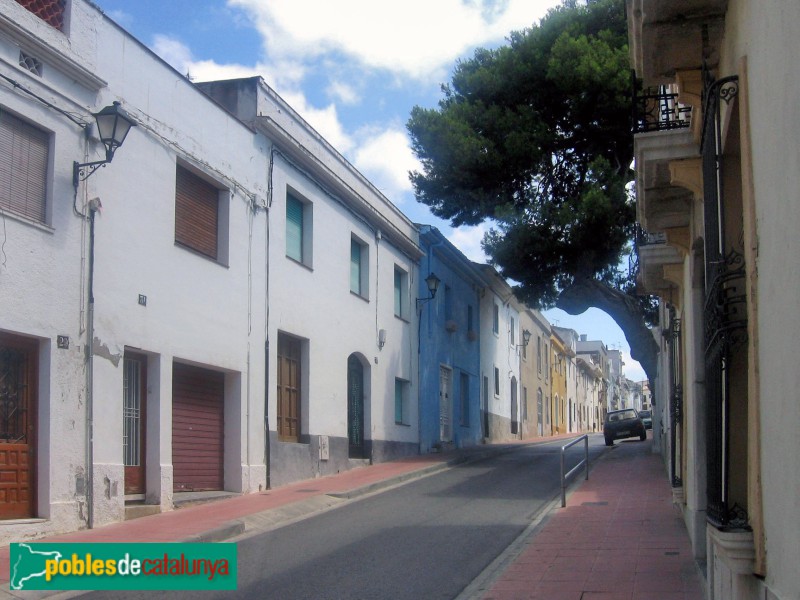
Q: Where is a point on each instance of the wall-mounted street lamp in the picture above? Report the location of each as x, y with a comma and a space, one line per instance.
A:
113, 124
526, 337
432, 281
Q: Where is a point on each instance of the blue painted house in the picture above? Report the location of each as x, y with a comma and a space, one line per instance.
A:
449, 345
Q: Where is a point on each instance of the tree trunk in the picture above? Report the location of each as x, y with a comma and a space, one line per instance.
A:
587, 293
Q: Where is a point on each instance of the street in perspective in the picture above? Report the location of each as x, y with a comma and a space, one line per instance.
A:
481, 524
464, 299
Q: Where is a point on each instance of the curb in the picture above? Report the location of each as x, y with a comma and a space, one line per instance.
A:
218, 534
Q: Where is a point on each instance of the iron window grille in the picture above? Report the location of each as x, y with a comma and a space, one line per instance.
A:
725, 310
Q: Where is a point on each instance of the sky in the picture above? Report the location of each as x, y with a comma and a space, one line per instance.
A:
353, 69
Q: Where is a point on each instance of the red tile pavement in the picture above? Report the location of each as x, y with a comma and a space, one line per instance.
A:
619, 538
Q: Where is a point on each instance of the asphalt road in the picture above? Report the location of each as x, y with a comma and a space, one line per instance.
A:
427, 539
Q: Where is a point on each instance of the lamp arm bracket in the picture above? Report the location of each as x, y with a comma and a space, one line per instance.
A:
82, 171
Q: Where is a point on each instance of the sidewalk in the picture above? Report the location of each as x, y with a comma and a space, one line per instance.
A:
619, 538
225, 519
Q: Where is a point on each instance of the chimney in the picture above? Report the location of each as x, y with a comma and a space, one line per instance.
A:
583, 337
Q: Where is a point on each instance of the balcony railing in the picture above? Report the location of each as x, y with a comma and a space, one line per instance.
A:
658, 109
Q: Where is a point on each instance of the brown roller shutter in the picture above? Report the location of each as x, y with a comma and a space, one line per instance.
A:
196, 213
197, 428
23, 167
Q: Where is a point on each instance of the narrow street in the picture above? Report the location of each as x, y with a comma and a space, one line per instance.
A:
426, 539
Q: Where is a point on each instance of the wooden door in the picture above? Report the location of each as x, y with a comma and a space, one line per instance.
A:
289, 391
18, 399
134, 407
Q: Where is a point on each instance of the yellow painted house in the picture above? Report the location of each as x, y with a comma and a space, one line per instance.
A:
559, 355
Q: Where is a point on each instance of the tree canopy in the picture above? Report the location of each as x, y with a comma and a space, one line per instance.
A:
535, 135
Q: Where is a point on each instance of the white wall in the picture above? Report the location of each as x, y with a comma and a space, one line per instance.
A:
766, 33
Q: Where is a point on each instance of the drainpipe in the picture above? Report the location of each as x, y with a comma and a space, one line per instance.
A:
267, 450
266, 412
94, 206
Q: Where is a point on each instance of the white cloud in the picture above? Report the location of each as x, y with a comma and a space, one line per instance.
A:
632, 369
346, 94
324, 120
385, 157
468, 240
180, 57
417, 38
121, 18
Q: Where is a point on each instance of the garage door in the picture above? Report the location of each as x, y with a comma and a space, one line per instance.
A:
197, 428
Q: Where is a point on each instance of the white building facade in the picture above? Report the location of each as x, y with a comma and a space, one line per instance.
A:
501, 340
227, 306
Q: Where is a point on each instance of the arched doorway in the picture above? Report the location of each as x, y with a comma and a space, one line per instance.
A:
355, 407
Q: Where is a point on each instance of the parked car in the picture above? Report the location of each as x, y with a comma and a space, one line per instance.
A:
621, 424
647, 418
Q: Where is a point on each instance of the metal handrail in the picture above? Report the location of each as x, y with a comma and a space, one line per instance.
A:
584, 462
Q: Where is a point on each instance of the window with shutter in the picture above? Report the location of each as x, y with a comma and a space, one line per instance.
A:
196, 213
24, 158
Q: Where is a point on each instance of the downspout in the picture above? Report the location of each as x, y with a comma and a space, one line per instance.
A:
267, 450
94, 206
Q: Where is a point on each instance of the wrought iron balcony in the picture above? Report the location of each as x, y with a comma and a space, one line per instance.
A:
658, 109
642, 238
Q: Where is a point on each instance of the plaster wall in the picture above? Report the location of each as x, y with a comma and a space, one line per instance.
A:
198, 310
497, 351
533, 373
447, 342
337, 323
767, 34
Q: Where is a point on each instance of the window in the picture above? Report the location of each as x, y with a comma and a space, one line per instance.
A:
496, 381
524, 403
24, 158
513, 332
400, 293
359, 268
496, 318
289, 388
539, 353
294, 228
199, 216
401, 402
546, 363
49, 11
469, 318
464, 399
299, 220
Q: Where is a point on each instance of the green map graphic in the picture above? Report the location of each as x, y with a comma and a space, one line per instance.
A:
27, 563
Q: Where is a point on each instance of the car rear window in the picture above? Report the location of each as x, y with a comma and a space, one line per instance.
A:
621, 415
